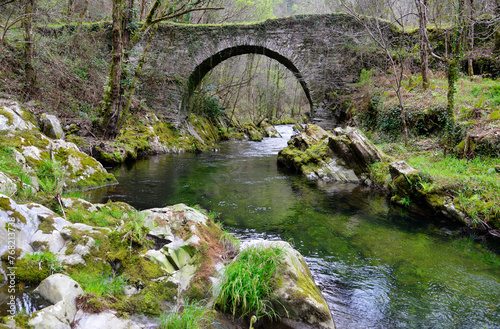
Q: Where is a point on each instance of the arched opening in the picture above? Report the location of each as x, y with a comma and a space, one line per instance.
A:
207, 65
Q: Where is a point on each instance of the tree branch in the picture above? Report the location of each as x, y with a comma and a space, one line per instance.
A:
164, 18
6, 2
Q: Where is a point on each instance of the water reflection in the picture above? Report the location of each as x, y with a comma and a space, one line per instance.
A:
25, 300
378, 266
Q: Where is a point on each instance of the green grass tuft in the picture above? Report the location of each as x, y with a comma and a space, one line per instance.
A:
99, 284
194, 316
248, 283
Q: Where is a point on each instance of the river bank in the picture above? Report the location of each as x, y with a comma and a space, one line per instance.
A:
364, 252
120, 262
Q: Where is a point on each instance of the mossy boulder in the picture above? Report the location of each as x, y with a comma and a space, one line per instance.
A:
270, 130
253, 132
69, 168
299, 301
51, 126
12, 116
7, 185
342, 155
53, 163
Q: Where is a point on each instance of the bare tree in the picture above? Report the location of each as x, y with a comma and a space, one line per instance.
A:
125, 35
496, 50
29, 69
470, 37
452, 61
422, 9
377, 32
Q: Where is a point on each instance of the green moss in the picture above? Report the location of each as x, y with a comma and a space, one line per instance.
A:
494, 116
47, 225
138, 269
8, 115
28, 116
199, 289
308, 288
22, 321
6, 205
152, 300
28, 271
77, 140
40, 245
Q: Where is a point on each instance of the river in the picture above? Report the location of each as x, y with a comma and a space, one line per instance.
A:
378, 265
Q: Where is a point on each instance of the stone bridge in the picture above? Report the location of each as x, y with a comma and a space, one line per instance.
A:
320, 50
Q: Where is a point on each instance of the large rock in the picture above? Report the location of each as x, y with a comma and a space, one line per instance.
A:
179, 229
61, 291
33, 150
17, 224
298, 294
36, 228
7, 186
51, 126
342, 155
106, 319
12, 116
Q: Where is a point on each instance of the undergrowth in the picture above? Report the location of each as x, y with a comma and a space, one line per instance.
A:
475, 183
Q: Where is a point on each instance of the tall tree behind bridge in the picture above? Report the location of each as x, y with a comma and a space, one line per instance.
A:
125, 35
422, 10
394, 53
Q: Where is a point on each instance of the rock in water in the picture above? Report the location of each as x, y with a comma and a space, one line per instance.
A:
305, 306
342, 155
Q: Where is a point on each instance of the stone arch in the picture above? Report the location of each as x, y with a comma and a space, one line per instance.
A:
211, 62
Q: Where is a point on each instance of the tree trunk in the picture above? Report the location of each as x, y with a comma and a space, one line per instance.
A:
70, 8
496, 50
422, 7
29, 70
453, 65
472, 17
111, 103
143, 10
450, 108
82, 16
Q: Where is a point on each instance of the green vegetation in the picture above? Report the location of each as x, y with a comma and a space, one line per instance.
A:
248, 284
135, 231
35, 267
50, 176
99, 284
475, 183
10, 166
193, 316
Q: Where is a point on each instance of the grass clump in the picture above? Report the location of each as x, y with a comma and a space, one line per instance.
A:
34, 268
100, 284
248, 283
193, 316
50, 176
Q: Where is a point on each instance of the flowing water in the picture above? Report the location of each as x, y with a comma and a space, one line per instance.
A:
377, 265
